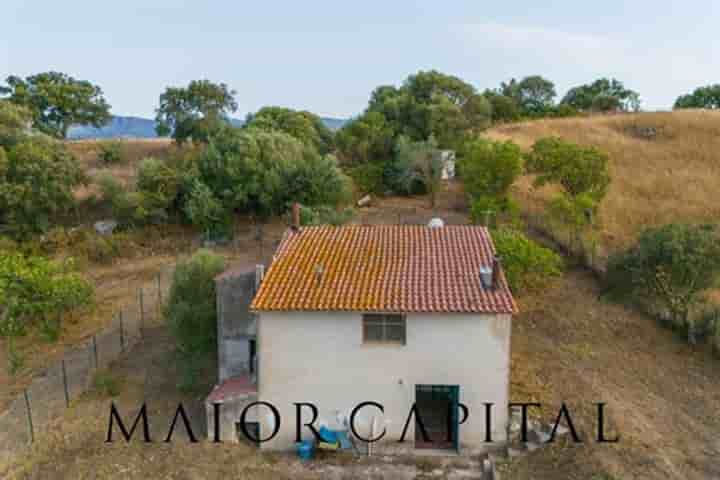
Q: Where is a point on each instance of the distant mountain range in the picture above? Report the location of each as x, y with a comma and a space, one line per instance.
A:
135, 127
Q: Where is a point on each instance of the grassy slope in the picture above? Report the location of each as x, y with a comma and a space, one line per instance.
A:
674, 176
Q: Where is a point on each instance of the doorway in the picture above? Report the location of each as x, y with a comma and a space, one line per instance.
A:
436, 419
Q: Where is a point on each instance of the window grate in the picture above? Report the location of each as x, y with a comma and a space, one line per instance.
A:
381, 328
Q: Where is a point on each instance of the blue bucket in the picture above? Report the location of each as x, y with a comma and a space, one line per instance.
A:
305, 450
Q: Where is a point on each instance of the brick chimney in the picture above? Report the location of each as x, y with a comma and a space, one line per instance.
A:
295, 222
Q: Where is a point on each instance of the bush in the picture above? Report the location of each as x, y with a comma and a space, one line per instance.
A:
133, 208
490, 168
578, 169
368, 177
37, 179
263, 171
37, 289
325, 216
416, 168
110, 153
191, 313
527, 265
494, 211
15, 123
205, 210
106, 384
668, 269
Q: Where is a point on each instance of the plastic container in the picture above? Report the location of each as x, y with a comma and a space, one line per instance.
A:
305, 449
327, 435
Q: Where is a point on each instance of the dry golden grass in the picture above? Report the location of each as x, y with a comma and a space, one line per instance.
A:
131, 151
673, 176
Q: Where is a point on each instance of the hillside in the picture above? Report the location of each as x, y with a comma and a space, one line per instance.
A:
665, 168
135, 127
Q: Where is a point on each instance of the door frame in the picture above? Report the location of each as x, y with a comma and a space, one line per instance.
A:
453, 419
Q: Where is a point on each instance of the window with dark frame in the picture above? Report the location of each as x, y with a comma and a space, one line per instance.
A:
384, 328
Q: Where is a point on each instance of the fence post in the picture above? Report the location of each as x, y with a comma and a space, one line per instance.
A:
65, 384
29, 416
95, 352
142, 311
159, 294
122, 331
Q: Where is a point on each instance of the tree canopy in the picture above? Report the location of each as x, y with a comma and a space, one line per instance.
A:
37, 178
305, 126
701, 97
432, 104
535, 95
603, 95
504, 109
262, 171
194, 112
15, 121
57, 101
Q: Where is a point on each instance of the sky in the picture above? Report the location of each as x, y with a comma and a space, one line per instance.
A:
327, 57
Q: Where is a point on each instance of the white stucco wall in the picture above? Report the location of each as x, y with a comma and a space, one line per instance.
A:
320, 358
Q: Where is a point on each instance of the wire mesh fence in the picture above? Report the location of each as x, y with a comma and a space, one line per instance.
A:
33, 411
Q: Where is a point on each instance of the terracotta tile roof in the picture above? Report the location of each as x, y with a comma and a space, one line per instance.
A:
383, 268
231, 388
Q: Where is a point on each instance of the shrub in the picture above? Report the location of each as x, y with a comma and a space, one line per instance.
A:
368, 177
158, 178
263, 171
106, 384
578, 169
670, 267
15, 123
37, 179
324, 215
110, 153
191, 312
133, 208
416, 167
527, 265
494, 211
37, 289
490, 168
205, 210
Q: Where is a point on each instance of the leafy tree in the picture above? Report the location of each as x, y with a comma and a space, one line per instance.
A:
324, 215
602, 95
263, 171
305, 126
195, 112
432, 104
526, 264
57, 101
578, 169
368, 138
672, 266
583, 174
15, 121
504, 109
206, 211
37, 179
191, 313
701, 97
534, 94
36, 289
488, 170
417, 162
